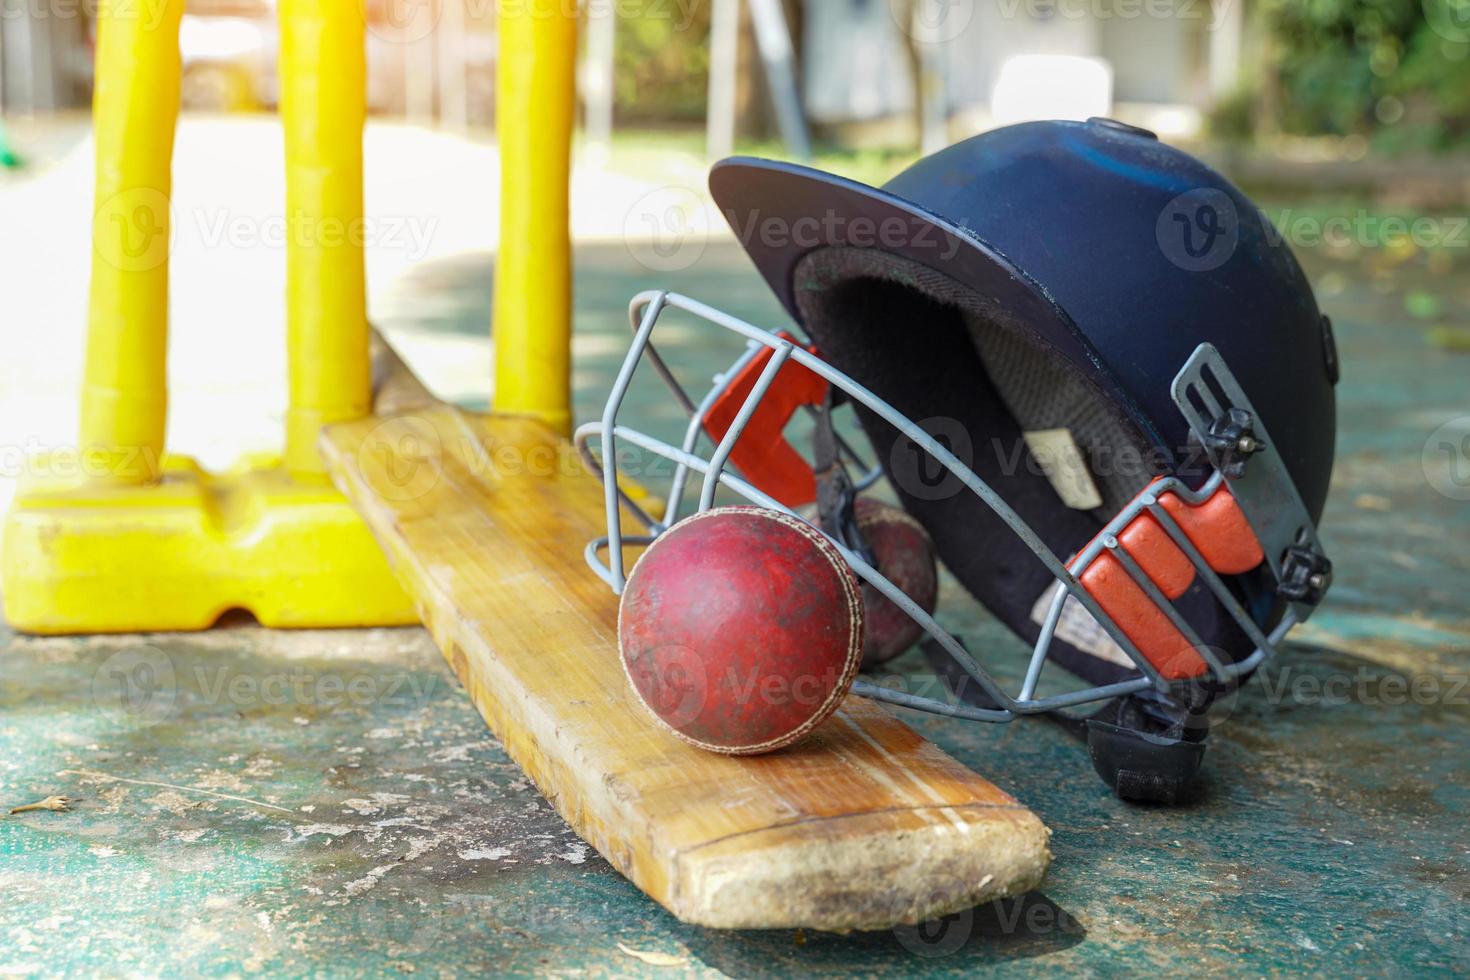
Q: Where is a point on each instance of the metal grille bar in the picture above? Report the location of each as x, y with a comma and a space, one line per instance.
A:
644, 313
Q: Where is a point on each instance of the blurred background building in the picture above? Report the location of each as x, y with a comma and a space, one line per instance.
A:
856, 73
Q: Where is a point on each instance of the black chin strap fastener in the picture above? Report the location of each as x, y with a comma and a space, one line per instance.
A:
1145, 750
1141, 766
1149, 750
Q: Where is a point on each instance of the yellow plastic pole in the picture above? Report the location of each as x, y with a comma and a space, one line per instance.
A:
323, 106
135, 107
535, 98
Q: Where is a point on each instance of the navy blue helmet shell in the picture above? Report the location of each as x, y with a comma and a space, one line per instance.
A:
1116, 252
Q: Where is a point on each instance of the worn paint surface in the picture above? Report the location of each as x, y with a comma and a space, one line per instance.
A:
330, 802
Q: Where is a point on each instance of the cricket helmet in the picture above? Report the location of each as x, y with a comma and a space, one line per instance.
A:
1090, 369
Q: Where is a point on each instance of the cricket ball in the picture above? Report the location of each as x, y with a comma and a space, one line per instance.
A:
741, 629
905, 556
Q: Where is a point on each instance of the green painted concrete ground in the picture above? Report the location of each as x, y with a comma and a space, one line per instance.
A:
329, 802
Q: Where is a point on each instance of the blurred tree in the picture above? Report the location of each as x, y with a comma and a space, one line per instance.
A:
1395, 71
661, 60
661, 64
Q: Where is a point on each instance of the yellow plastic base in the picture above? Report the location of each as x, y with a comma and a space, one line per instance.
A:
88, 558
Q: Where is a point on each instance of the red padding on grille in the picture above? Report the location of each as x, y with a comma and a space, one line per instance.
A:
762, 454
1140, 620
1219, 530
1156, 553
1225, 540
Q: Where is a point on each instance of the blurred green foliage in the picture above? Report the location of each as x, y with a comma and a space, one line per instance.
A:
661, 60
1394, 71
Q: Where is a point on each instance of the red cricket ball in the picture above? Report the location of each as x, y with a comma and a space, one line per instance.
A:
741, 629
905, 555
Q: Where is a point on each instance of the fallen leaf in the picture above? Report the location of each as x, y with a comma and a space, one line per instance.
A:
1372, 501
58, 804
1421, 304
1449, 338
652, 958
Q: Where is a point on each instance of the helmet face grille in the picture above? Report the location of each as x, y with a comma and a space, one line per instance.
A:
1182, 580
972, 373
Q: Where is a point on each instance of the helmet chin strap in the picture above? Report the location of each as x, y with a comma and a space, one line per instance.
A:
1147, 747
836, 494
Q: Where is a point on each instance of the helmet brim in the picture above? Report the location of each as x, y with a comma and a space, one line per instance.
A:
782, 212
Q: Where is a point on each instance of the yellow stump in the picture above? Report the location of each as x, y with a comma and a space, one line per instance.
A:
125, 396
535, 98
323, 102
124, 538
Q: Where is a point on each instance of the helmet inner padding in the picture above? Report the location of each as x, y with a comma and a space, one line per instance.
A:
838, 288
967, 370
